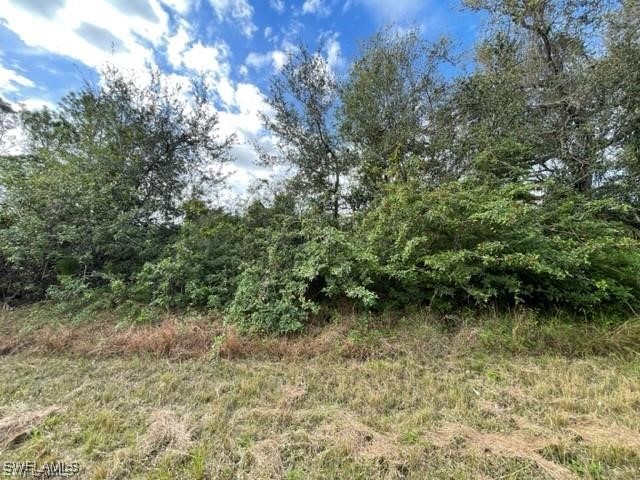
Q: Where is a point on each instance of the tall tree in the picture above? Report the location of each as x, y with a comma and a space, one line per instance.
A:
619, 75
533, 86
104, 175
304, 98
393, 89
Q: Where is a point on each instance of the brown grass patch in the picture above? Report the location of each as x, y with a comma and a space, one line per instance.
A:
15, 427
317, 341
266, 461
291, 394
178, 338
607, 434
359, 440
166, 434
529, 441
524, 444
168, 339
182, 337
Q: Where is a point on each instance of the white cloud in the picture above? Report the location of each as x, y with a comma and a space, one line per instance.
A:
92, 32
37, 104
274, 59
240, 102
11, 81
249, 98
180, 6
238, 10
277, 5
315, 6
176, 45
332, 49
242, 114
207, 58
226, 91
244, 103
212, 59
116, 31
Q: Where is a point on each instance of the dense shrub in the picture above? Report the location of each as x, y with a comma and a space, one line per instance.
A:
103, 175
199, 269
467, 242
303, 262
405, 183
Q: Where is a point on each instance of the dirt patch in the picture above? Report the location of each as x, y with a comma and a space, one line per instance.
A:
15, 427
166, 434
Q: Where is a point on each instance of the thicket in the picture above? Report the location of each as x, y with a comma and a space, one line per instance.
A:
513, 185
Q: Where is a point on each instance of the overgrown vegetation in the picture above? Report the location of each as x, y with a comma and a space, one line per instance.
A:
514, 185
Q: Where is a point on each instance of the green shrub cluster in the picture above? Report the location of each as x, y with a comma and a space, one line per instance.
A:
199, 269
408, 183
303, 263
461, 244
470, 242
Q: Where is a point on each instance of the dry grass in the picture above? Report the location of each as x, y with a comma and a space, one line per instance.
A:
17, 425
179, 338
166, 434
518, 444
190, 399
183, 337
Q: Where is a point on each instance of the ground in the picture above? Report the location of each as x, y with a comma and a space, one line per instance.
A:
354, 404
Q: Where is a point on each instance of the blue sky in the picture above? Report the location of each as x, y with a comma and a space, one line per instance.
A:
48, 47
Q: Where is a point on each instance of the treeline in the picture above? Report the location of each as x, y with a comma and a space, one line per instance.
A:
409, 185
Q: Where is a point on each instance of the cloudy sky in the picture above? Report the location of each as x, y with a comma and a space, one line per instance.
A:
48, 47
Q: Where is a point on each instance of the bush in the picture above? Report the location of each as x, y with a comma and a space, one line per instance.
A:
470, 243
303, 263
199, 269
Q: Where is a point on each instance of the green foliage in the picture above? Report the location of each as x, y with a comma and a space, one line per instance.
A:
505, 161
304, 97
69, 290
388, 100
200, 268
303, 262
99, 187
469, 242
515, 183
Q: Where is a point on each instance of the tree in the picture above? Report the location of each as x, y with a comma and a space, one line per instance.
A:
304, 98
619, 75
534, 86
387, 103
103, 177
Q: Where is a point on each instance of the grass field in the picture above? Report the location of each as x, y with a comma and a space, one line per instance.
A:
432, 401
